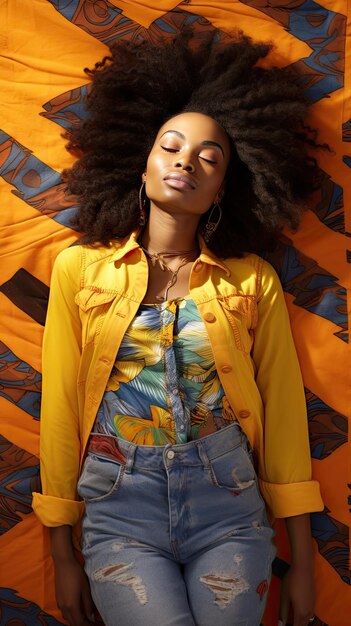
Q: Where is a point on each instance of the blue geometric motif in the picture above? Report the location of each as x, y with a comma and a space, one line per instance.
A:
323, 30
313, 287
17, 611
20, 383
18, 485
33, 179
73, 112
320, 36
68, 8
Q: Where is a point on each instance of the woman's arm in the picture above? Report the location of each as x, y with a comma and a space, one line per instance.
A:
285, 476
71, 584
298, 584
59, 422
285, 461
58, 506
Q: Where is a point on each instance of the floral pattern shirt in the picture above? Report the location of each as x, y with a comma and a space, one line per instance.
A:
164, 387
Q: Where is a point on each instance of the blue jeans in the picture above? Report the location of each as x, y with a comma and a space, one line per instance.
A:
176, 535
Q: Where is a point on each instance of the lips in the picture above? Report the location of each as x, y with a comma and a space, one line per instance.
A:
179, 181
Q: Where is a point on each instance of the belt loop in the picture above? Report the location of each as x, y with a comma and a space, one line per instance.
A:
202, 454
130, 459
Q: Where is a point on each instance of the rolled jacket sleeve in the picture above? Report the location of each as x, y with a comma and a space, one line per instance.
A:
59, 429
52, 511
285, 467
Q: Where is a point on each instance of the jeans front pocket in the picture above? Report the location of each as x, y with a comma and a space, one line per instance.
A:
233, 470
100, 478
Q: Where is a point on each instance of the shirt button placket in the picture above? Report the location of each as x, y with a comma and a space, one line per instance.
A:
168, 320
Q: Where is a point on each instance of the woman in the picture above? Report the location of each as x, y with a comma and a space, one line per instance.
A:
170, 374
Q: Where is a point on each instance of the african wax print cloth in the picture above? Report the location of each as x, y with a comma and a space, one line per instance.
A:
164, 387
45, 46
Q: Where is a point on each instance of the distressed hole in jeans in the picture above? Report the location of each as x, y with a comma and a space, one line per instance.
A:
127, 543
120, 575
225, 588
257, 526
242, 484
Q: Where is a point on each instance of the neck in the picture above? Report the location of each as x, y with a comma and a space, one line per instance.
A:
170, 232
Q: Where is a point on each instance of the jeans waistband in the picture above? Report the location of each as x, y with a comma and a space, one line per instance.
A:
197, 452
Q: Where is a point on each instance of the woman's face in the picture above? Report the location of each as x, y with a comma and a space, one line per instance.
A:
187, 164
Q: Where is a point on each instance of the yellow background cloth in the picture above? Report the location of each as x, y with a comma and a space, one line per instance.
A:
45, 46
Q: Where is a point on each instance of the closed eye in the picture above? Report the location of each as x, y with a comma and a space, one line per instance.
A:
169, 149
174, 150
208, 160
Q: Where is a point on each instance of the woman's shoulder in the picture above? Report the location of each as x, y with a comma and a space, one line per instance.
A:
84, 254
254, 269
68, 254
250, 263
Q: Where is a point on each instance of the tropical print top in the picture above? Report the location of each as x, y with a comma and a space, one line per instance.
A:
164, 386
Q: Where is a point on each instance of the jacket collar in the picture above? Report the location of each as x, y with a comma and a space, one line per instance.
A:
207, 256
124, 247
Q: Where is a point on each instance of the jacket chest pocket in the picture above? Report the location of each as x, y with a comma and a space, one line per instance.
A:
241, 312
93, 304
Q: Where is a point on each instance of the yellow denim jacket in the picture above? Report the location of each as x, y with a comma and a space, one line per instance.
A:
96, 292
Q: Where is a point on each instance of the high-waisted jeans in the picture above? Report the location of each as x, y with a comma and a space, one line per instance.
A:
176, 535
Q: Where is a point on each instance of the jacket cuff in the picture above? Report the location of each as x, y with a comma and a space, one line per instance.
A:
53, 511
286, 500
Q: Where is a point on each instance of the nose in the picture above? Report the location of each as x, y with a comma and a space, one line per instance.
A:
185, 162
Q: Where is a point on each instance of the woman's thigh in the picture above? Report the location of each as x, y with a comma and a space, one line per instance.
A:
227, 584
133, 584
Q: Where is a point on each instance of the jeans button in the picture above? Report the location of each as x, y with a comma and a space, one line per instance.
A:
170, 454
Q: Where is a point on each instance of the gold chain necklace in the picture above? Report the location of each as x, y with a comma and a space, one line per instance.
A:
158, 257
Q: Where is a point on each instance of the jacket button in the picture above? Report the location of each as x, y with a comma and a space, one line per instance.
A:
244, 414
198, 267
226, 369
209, 317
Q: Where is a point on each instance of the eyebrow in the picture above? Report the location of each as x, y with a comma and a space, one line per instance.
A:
203, 143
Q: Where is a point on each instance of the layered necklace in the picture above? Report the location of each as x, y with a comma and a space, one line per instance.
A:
159, 258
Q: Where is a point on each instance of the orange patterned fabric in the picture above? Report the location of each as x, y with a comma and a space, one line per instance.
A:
44, 46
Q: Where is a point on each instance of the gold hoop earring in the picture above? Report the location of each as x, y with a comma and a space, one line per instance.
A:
142, 202
211, 225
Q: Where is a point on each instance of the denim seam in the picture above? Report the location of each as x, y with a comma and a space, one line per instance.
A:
111, 491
